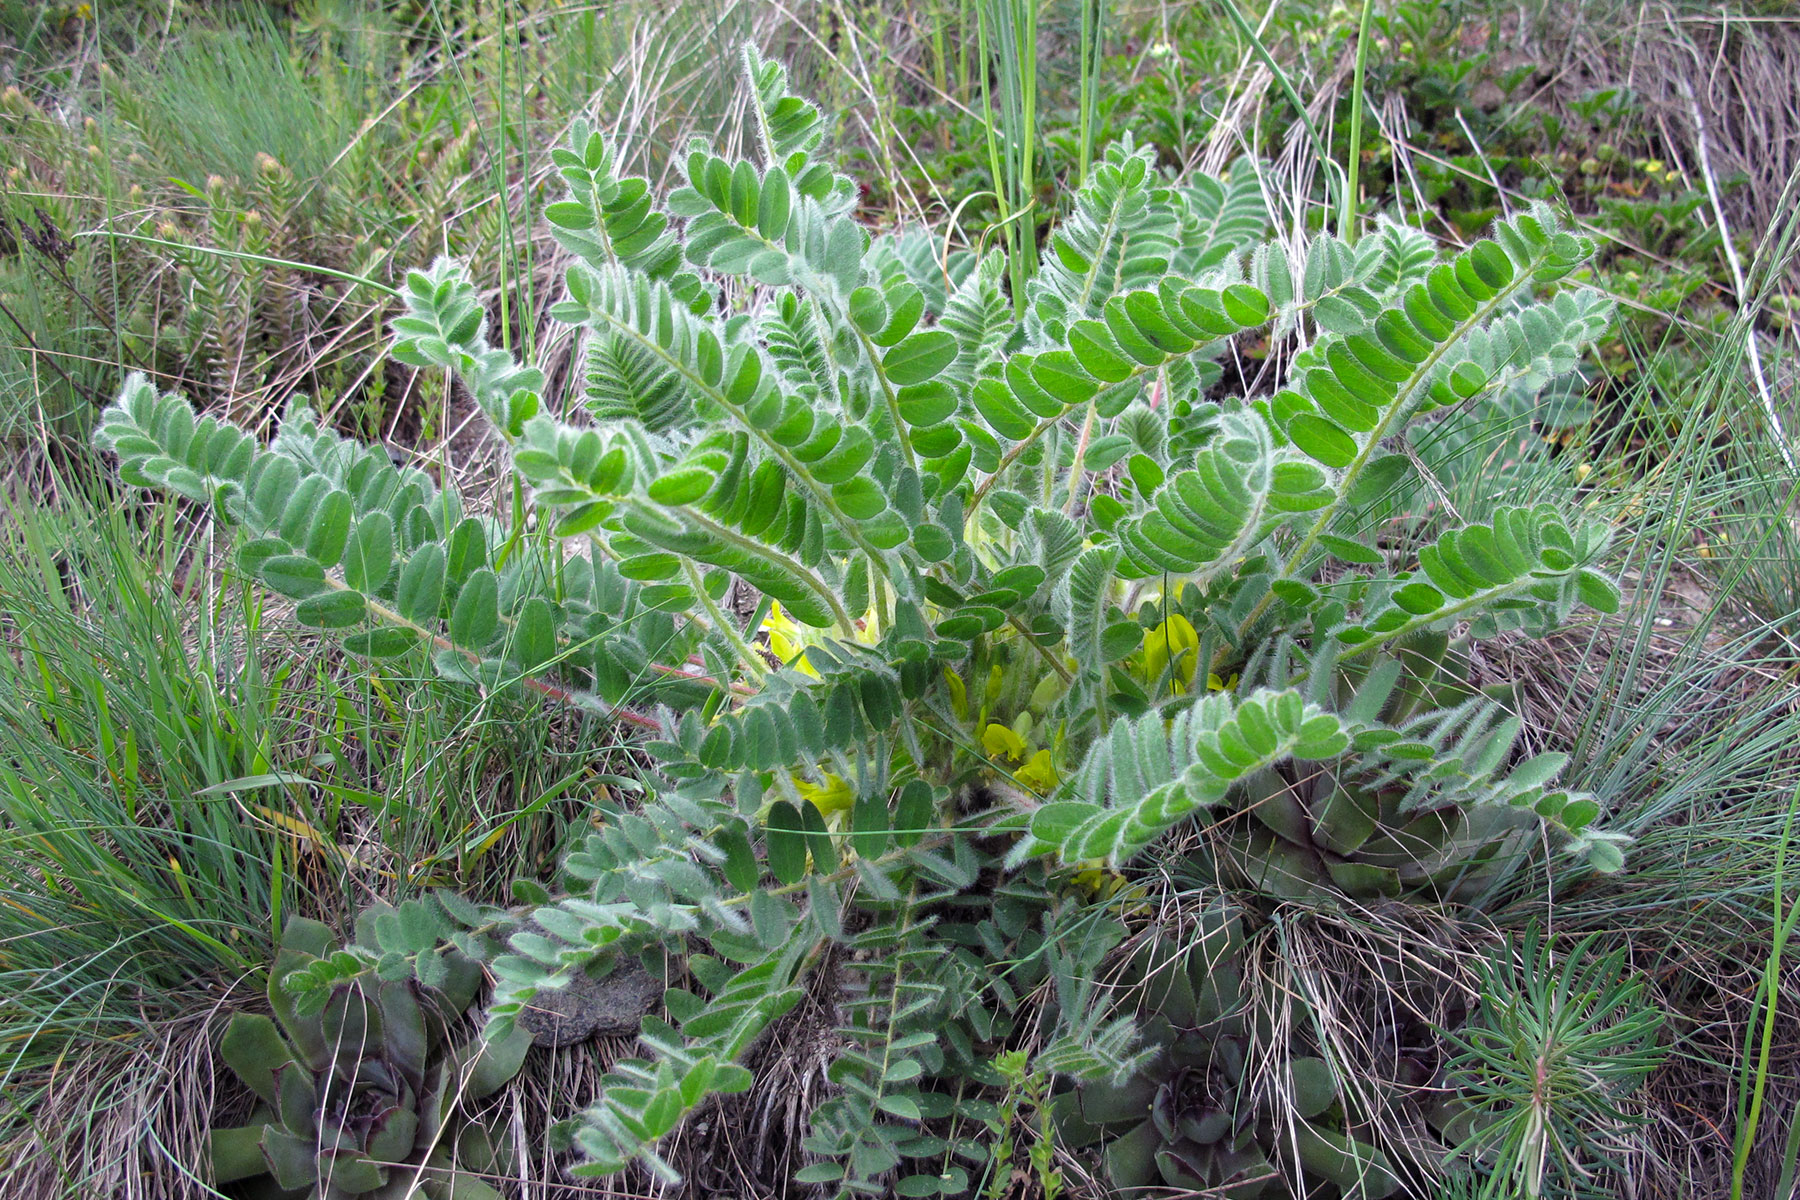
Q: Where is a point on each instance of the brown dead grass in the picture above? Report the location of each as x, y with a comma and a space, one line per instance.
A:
1720, 87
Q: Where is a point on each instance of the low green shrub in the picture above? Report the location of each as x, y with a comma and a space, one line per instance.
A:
1544, 1072
1025, 594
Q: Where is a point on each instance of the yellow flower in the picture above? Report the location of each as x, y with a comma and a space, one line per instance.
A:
959, 694
831, 798
1093, 878
1000, 741
1102, 883
1039, 774
1173, 642
788, 639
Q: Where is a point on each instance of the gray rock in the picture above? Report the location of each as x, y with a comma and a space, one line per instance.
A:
587, 1007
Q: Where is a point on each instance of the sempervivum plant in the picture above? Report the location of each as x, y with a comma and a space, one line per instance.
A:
1046, 591
1384, 827
1206, 1114
360, 1098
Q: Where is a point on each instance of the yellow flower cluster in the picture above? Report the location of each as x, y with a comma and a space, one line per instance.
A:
1004, 743
1023, 748
788, 639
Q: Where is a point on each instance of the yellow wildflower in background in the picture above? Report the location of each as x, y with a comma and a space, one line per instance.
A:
959, 694
1002, 741
1101, 882
1172, 642
1008, 743
1175, 641
1039, 773
788, 639
832, 798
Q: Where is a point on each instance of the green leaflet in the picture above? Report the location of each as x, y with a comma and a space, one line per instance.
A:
332, 610
476, 617
920, 357
421, 590
293, 575
369, 553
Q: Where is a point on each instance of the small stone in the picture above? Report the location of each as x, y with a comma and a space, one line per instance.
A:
586, 1007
